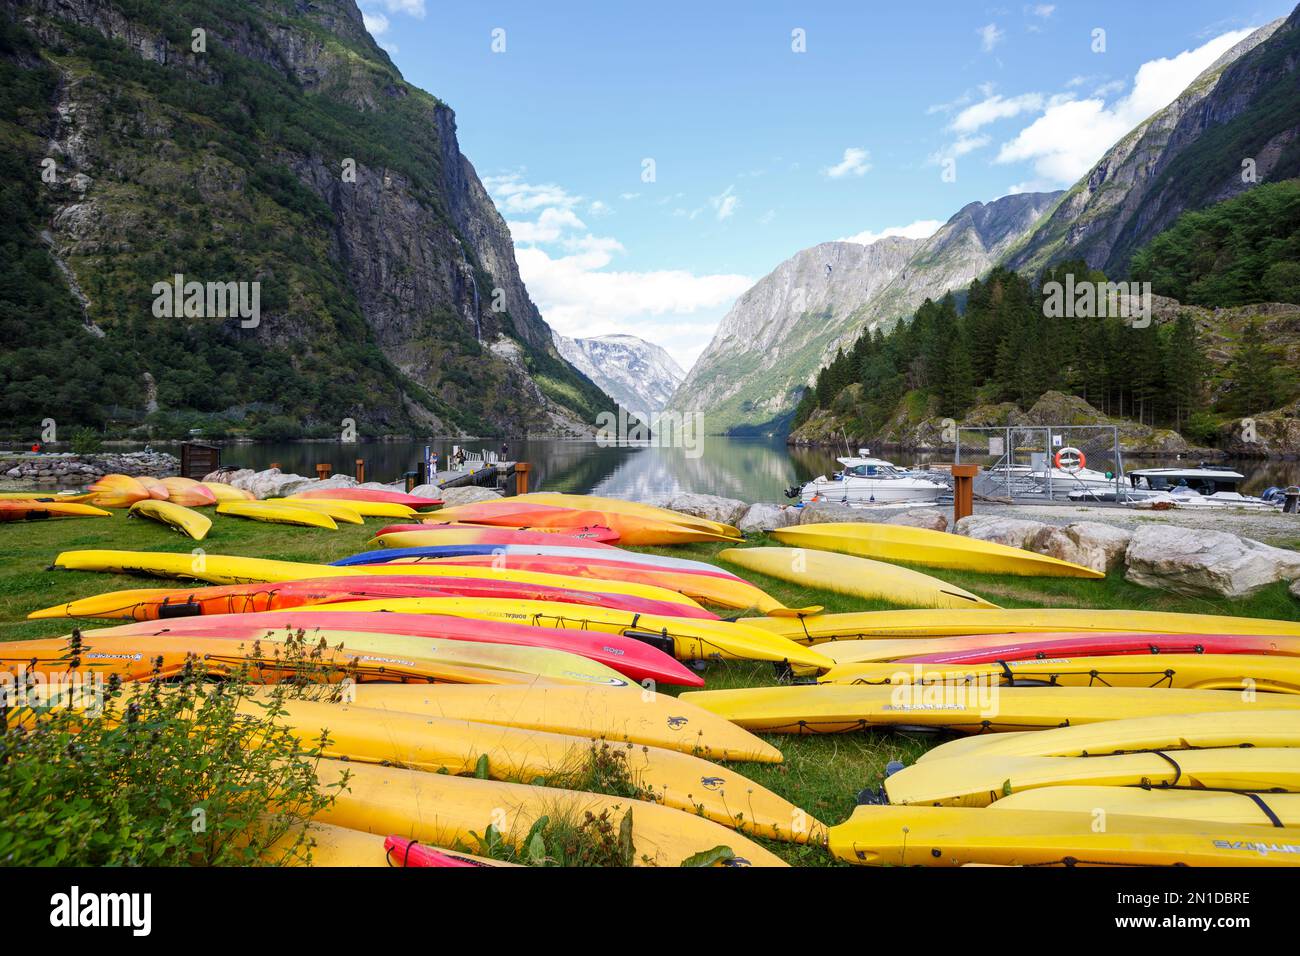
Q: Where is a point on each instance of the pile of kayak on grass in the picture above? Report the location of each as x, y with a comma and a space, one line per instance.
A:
495, 643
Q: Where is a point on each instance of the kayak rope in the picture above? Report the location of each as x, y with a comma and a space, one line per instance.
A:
1268, 811
1178, 771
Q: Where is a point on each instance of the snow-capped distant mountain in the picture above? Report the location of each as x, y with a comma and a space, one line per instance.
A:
637, 374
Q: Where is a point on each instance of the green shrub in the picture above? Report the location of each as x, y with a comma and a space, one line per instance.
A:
1202, 428
184, 773
86, 441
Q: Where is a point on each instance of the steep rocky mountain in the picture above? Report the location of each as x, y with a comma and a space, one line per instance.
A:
637, 374
1245, 106
256, 141
780, 332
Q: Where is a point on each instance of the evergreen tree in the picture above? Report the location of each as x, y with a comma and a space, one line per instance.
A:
1253, 375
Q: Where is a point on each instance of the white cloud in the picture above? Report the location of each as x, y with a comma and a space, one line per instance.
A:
856, 162
921, 229
598, 208
567, 271
516, 197
413, 8
376, 23
1043, 10
767, 217
1072, 135
628, 197
725, 203
990, 36
995, 108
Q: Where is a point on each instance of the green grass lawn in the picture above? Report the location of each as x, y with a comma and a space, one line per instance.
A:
821, 774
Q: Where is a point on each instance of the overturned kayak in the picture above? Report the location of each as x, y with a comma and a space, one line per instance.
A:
20, 509
188, 493
444, 745
634, 508
941, 622
1238, 728
840, 708
1233, 809
631, 529
420, 535
448, 811
551, 550
687, 639
859, 577
147, 604
955, 836
371, 495
175, 516
276, 514
632, 658
117, 491
658, 720
338, 510
231, 569
930, 548
1239, 672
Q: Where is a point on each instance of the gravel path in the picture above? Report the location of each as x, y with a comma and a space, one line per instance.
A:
1273, 528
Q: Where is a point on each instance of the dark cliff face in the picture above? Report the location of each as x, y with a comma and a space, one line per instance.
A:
1187, 156
290, 152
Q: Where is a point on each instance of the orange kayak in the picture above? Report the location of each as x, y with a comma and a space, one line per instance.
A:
631, 529
377, 495
118, 491
30, 510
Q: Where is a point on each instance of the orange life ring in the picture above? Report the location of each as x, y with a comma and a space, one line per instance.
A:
1073, 466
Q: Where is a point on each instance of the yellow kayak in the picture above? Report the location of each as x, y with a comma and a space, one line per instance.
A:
1232, 809
445, 810
955, 836
46, 496
224, 492
938, 622
839, 708
327, 845
924, 546
859, 577
367, 509
1238, 728
1237, 672
656, 720
335, 509
686, 639
231, 569
175, 516
633, 508
276, 514
980, 779
450, 746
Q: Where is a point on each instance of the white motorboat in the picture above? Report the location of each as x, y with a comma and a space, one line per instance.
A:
1201, 487
866, 481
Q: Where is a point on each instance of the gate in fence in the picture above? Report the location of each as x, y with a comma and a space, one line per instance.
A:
1045, 462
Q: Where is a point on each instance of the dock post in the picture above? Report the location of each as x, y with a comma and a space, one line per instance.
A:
323, 471
361, 471
963, 497
521, 477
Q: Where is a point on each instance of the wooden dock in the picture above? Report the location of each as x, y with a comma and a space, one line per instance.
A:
475, 473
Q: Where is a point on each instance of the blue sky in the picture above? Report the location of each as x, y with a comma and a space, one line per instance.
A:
759, 150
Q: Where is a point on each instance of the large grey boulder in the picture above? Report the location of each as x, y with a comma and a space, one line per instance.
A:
710, 507
1089, 543
466, 495
315, 484
931, 518
764, 517
822, 512
1197, 562
268, 484
229, 476
1013, 532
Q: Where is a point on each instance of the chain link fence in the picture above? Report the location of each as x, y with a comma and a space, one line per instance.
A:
1045, 462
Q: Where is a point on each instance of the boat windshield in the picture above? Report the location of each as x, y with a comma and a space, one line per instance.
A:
869, 470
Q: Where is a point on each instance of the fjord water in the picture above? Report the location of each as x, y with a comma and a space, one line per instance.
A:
751, 469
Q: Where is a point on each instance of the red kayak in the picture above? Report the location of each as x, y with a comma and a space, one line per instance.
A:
590, 537
376, 495
1003, 647
153, 605
403, 852
630, 657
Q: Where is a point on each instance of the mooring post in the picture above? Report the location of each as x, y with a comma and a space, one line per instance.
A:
322, 471
963, 492
521, 477
361, 470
